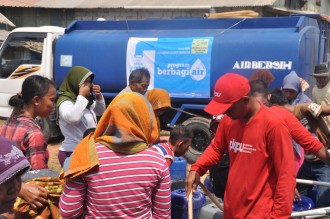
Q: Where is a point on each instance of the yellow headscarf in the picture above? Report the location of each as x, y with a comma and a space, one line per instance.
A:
128, 126
128, 122
159, 98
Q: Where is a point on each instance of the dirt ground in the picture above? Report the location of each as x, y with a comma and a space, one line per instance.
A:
53, 163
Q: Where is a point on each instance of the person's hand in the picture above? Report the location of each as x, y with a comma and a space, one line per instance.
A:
296, 194
191, 182
97, 91
85, 90
35, 195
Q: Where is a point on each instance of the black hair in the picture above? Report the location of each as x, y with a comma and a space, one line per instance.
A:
277, 97
180, 132
258, 86
138, 74
32, 86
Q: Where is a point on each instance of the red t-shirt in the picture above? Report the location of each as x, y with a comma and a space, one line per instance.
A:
298, 132
261, 175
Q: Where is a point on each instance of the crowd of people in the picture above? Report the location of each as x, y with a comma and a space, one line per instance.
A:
115, 163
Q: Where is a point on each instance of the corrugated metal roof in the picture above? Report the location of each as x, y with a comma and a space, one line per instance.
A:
18, 3
133, 3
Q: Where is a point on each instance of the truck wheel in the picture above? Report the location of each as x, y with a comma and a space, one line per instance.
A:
201, 137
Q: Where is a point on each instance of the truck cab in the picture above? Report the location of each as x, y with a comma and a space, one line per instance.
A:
26, 51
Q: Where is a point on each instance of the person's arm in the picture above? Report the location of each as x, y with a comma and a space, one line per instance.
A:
279, 144
302, 136
210, 157
36, 148
161, 196
325, 110
73, 112
99, 107
100, 103
324, 155
35, 195
72, 200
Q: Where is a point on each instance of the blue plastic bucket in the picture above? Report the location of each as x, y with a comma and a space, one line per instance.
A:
304, 204
179, 204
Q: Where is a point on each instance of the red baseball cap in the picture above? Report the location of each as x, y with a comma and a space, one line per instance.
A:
228, 89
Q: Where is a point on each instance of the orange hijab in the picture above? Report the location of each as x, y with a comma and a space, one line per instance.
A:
127, 126
159, 98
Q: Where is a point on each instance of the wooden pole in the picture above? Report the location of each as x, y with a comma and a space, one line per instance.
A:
190, 206
208, 193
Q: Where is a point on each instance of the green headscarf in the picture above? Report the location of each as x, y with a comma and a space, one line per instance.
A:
69, 88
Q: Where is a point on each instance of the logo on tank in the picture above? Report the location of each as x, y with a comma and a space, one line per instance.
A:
198, 70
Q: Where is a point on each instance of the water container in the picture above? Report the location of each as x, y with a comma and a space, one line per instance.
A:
210, 211
208, 184
178, 184
178, 169
304, 204
179, 204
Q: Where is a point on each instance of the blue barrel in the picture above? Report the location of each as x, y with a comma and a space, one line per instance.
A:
178, 169
179, 204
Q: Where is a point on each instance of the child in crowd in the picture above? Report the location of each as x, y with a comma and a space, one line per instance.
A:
178, 144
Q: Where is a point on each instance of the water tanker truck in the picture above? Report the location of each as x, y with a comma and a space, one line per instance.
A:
183, 56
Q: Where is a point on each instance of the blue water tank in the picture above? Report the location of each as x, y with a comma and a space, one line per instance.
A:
280, 44
178, 169
179, 204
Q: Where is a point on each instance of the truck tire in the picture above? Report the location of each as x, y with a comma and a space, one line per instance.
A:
201, 137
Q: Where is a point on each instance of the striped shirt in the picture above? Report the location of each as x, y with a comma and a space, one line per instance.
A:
166, 149
28, 135
123, 186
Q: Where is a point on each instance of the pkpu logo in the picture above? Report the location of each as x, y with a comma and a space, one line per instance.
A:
217, 94
241, 147
198, 70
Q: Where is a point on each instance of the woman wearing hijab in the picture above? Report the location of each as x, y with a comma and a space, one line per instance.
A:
76, 108
293, 90
160, 101
114, 172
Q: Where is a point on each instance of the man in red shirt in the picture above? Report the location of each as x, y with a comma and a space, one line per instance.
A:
314, 166
261, 178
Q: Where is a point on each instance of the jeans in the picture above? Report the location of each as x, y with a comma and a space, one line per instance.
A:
317, 171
